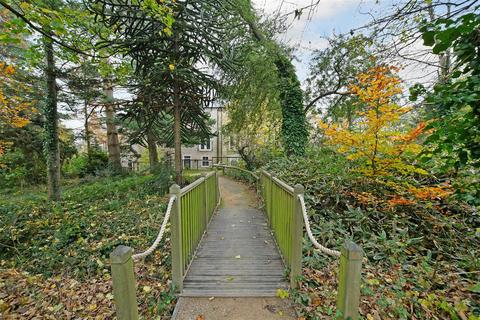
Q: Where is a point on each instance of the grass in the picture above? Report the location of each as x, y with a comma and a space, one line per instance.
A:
54, 256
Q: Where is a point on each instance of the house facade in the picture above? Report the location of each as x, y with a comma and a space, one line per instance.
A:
218, 149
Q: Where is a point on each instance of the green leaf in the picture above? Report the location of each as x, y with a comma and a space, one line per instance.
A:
428, 38
440, 47
475, 288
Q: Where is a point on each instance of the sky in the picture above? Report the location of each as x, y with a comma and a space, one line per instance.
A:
309, 31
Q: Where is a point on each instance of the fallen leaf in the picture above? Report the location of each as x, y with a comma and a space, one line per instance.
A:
316, 301
147, 289
282, 294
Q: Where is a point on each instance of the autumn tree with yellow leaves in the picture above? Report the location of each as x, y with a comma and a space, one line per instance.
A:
376, 140
13, 109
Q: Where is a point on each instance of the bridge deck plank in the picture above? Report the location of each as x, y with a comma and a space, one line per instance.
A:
237, 256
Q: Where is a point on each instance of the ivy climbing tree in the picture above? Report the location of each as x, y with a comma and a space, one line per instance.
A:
294, 123
54, 24
294, 131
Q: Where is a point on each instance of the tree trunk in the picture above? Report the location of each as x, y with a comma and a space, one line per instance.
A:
112, 134
52, 150
177, 129
443, 58
152, 151
87, 129
177, 136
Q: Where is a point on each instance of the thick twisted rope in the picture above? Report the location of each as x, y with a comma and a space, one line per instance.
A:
160, 233
323, 249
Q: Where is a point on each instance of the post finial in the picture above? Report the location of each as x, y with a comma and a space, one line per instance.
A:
174, 189
299, 189
121, 254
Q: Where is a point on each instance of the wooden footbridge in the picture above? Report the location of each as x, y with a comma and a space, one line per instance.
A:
222, 246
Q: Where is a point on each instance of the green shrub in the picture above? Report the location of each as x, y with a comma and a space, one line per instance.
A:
420, 254
82, 165
164, 174
19, 170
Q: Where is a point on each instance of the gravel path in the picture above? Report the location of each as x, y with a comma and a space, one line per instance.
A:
233, 309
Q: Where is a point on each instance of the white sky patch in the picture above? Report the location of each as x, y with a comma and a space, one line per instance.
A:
307, 32
76, 121
329, 17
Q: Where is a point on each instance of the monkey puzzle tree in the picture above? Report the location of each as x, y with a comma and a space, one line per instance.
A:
175, 60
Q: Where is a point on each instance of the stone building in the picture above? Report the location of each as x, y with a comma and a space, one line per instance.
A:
218, 149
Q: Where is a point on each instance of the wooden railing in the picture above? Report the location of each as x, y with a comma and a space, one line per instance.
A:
190, 217
286, 216
190, 210
283, 211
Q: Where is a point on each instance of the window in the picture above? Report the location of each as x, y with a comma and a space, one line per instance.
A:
187, 162
205, 162
207, 146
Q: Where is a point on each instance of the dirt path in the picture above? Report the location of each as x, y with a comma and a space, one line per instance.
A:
233, 309
228, 291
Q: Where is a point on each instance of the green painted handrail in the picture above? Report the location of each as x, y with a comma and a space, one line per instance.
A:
282, 209
189, 221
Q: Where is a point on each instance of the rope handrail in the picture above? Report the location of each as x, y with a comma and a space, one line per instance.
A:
160, 233
323, 249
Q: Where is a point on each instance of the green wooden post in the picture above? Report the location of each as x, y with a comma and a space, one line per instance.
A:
270, 199
217, 186
205, 200
123, 278
176, 238
297, 237
348, 299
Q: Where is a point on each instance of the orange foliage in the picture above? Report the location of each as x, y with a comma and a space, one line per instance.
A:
399, 201
13, 110
365, 198
376, 140
431, 193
